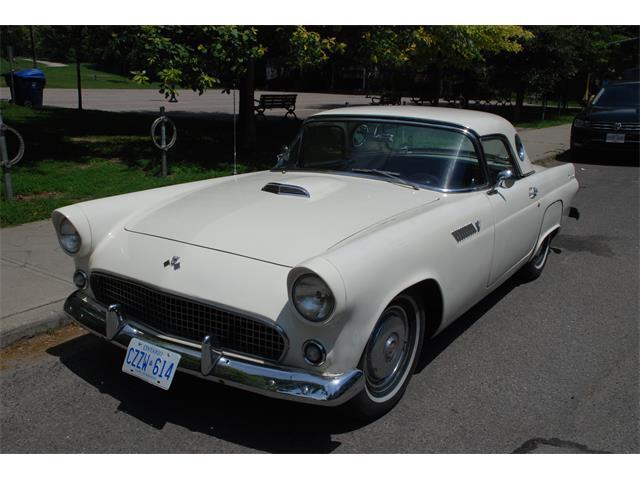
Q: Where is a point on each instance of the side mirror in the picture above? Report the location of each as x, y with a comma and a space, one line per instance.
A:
505, 179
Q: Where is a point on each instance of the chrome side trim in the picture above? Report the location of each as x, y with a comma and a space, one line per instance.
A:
465, 232
273, 381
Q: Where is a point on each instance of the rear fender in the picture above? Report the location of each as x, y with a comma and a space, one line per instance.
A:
551, 222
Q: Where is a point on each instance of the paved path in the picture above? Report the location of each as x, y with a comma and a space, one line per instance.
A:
549, 366
149, 100
46, 62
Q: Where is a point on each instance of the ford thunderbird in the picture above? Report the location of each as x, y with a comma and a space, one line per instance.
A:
318, 281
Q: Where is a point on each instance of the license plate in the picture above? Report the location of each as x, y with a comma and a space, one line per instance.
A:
150, 363
615, 138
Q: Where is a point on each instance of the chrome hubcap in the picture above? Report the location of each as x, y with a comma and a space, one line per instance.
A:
390, 346
388, 351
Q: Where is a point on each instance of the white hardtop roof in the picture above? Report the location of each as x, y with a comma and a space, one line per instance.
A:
482, 123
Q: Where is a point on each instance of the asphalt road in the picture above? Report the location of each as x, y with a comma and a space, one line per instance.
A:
549, 366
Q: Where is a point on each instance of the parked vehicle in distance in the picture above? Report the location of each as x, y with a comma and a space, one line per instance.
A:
610, 122
318, 281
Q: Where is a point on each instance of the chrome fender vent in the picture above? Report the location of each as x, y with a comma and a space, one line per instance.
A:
466, 231
285, 189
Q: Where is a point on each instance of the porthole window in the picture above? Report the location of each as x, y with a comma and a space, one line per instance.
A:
520, 148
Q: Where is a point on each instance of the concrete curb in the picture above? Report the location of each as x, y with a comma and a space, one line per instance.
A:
33, 322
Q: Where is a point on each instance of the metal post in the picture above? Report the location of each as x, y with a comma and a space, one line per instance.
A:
6, 166
12, 69
163, 142
235, 141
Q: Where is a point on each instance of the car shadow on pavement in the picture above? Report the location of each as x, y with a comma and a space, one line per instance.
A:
226, 413
436, 345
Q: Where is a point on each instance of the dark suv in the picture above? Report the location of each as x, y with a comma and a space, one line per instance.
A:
611, 121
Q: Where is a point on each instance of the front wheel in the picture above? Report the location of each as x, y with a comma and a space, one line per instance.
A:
390, 357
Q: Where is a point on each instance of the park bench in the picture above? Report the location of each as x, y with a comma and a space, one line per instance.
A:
387, 99
270, 101
420, 100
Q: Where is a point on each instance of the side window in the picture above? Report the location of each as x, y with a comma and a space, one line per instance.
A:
519, 148
498, 156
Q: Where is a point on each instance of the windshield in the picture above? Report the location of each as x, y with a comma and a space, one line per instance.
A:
412, 154
618, 96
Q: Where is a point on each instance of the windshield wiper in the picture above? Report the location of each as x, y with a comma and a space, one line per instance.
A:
385, 173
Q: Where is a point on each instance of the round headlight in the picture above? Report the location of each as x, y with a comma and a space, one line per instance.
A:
69, 237
312, 298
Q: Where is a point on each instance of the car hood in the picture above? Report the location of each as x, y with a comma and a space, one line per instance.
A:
604, 114
237, 216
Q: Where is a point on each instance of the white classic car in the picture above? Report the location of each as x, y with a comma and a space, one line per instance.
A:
319, 280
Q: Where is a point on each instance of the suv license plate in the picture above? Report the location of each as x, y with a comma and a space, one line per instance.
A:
150, 363
615, 138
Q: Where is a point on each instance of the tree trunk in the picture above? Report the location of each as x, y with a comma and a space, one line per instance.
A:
437, 87
517, 114
33, 47
247, 119
78, 78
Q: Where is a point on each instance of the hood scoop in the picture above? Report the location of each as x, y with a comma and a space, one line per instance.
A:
285, 189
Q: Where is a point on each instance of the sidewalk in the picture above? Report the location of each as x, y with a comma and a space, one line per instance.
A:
35, 278
544, 143
35, 274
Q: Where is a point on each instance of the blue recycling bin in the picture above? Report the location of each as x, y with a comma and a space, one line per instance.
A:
27, 87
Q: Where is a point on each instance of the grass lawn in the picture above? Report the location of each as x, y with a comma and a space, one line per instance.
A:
73, 156
65, 77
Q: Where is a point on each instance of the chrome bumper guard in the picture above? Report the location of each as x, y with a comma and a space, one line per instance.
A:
210, 363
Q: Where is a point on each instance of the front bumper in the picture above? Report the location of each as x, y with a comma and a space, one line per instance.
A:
595, 139
272, 381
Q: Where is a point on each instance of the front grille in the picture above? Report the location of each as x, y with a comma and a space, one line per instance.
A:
622, 127
180, 317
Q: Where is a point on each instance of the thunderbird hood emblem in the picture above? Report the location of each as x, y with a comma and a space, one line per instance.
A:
174, 262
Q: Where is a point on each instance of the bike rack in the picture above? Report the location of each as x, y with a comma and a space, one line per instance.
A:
161, 122
7, 162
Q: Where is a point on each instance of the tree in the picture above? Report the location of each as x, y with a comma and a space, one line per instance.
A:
206, 57
66, 42
554, 56
201, 58
437, 48
311, 50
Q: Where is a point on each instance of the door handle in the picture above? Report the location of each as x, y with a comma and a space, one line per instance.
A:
533, 192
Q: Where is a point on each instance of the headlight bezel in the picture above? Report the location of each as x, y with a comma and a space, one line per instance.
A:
581, 123
67, 230
323, 285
